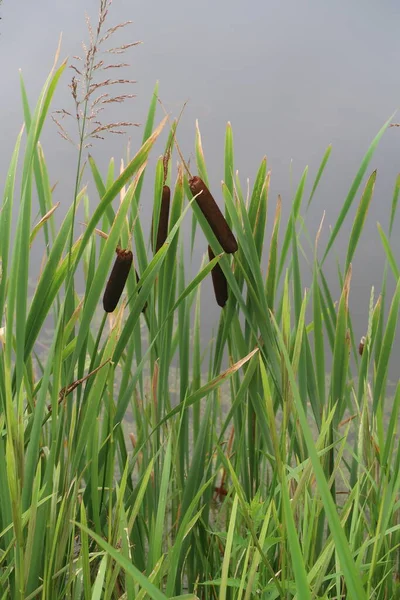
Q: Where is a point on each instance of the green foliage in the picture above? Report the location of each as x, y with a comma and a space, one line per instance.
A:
138, 460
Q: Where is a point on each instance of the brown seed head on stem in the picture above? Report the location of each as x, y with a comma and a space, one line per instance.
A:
117, 280
162, 232
214, 216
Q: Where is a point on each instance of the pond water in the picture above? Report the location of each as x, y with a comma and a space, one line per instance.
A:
291, 77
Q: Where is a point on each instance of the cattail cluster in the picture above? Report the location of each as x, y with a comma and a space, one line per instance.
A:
221, 230
217, 222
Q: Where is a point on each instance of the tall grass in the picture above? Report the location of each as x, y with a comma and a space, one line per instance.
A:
124, 477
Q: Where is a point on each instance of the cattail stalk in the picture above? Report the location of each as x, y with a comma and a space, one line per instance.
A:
214, 216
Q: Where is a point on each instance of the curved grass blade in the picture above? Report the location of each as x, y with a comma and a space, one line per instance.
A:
258, 211
125, 564
228, 550
200, 160
257, 191
49, 283
207, 388
18, 285
360, 217
300, 575
319, 174
270, 284
319, 346
340, 351
229, 158
148, 128
395, 200
294, 213
5, 219
354, 187
101, 188
385, 352
389, 253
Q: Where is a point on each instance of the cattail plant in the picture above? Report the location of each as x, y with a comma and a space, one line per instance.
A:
214, 216
219, 281
117, 280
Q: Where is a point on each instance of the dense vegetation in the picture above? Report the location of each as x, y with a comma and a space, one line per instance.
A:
255, 477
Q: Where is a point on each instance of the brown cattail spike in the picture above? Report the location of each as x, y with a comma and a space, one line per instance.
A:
117, 280
219, 281
162, 232
214, 216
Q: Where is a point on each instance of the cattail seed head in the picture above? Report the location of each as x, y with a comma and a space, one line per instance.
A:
214, 216
117, 280
162, 232
219, 281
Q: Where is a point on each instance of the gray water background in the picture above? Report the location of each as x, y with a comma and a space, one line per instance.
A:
290, 76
